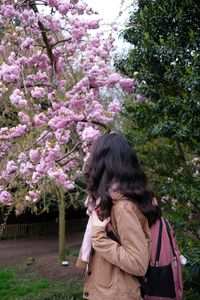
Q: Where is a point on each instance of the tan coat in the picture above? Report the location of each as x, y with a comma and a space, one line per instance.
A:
113, 267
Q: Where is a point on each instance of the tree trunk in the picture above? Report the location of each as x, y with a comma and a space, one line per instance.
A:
61, 251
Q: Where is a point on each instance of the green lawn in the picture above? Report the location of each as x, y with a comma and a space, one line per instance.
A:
16, 285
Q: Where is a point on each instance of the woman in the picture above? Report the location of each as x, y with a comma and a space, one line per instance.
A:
121, 200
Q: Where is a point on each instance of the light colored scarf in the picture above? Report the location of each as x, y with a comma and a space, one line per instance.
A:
86, 247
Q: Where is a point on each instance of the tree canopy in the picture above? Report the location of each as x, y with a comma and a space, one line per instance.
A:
163, 118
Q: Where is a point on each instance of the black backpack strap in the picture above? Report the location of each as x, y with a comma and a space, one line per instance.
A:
144, 285
112, 236
170, 238
159, 243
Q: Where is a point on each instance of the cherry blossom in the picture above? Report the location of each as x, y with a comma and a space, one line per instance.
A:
90, 134
38, 92
17, 99
114, 106
5, 197
56, 67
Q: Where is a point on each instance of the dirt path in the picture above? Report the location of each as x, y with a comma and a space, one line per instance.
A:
43, 255
36, 246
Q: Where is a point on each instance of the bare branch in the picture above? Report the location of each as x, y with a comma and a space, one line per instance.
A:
96, 123
70, 152
66, 162
33, 85
61, 41
37, 140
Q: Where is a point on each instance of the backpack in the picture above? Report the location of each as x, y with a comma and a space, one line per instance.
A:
163, 280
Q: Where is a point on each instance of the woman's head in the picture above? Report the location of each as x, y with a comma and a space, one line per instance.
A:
113, 162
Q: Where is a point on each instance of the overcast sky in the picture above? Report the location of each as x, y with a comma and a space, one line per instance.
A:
109, 9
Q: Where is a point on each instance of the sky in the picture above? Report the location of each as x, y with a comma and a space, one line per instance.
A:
109, 9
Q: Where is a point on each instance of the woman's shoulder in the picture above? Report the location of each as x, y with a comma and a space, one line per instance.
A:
122, 203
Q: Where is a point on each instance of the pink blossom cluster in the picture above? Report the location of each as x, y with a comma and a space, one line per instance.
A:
28, 19
17, 98
40, 119
9, 74
95, 111
27, 43
90, 134
38, 92
62, 135
7, 134
60, 178
10, 170
26, 169
46, 162
24, 118
8, 11
64, 118
4, 148
114, 106
35, 155
71, 164
39, 77
33, 196
5, 196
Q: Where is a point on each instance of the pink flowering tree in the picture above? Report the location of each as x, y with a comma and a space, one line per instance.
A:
54, 69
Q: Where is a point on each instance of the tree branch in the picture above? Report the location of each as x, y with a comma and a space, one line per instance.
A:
44, 37
70, 152
97, 123
33, 85
37, 140
61, 41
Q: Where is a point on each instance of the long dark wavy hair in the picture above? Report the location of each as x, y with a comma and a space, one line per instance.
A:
113, 161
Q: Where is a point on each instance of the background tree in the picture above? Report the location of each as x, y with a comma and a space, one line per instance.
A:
163, 119
52, 73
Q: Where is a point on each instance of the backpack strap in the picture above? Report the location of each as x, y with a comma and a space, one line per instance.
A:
112, 236
170, 239
159, 243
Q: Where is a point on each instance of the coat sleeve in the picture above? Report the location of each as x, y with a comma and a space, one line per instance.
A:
132, 255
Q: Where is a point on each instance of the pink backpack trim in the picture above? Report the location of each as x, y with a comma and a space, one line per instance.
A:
167, 257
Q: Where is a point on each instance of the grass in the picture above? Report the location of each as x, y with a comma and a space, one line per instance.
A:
62, 291
14, 285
